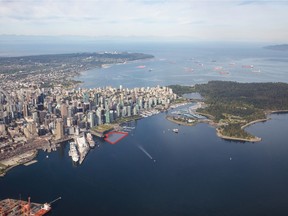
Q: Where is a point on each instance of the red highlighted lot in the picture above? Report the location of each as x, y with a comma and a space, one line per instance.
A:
115, 136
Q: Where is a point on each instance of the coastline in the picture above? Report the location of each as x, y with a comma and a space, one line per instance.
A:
169, 118
255, 139
218, 131
254, 122
18, 160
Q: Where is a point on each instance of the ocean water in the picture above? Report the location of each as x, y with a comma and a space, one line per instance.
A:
191, 173
189, 64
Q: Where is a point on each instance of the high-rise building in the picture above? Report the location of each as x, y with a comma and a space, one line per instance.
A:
59, 130
99, 117
25, 110
91, 119
107, 116
64, 110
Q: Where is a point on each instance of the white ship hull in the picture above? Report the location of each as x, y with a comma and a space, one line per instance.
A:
90, 140
73, 153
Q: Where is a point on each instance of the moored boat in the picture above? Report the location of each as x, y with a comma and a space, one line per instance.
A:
90, 140
73, 153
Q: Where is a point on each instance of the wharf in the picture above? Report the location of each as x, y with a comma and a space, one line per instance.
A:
13, 207
30, 162
62, 140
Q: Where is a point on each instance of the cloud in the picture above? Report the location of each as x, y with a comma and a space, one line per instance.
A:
224, 19
262, 2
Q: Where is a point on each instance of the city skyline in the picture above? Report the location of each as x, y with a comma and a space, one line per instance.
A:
226, 20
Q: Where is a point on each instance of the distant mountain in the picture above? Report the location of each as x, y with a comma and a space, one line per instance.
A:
281, 47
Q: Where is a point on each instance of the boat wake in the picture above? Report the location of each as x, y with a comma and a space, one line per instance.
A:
145, 152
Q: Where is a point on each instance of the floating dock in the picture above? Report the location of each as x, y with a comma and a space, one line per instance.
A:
115, 136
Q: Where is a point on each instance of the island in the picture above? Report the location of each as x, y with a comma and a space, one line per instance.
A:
280, 47
232, 106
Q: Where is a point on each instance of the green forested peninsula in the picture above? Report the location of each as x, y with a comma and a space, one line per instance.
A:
233, 105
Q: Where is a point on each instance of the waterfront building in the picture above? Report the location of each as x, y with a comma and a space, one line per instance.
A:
98, 115
107, 116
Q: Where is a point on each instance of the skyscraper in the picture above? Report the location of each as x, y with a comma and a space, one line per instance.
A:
59, 130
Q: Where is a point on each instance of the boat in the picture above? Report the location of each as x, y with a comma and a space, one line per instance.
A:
13, 207
247, 66
175, 130
73, 153
141, 66
83, 147
90, 140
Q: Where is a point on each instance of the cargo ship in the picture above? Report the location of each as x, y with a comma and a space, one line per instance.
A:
13, 207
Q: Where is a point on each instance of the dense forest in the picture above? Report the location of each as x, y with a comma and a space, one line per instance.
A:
267, 96
180, 90
235, 104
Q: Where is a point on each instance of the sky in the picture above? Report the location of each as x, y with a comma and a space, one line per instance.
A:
225, 20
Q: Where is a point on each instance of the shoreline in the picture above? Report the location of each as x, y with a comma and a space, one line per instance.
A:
18, 160
254, 122
255, 139
218, 132
169, 118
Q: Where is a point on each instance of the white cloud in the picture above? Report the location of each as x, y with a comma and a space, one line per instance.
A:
226, 19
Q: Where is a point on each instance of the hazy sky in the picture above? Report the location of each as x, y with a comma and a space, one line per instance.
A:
231, 20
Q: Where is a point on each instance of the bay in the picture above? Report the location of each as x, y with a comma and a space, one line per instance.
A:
195, 172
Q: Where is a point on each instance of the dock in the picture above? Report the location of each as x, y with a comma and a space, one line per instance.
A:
30, 162
13, 207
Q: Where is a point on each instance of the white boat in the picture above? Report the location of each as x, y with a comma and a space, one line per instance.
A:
73, 152
83, 148
90, 140
175, 130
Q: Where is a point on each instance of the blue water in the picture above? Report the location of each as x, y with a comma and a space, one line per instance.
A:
192, 175
188, 64
195, 173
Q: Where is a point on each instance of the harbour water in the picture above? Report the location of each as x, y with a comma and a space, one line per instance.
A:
192, 172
